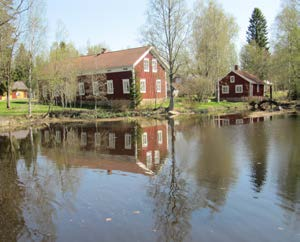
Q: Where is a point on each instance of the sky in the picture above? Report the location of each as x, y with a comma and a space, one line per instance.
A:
118, 23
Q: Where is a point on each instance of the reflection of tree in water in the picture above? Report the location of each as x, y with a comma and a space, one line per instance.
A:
172, 206
215, 170
11, 191
257, 143
289, 167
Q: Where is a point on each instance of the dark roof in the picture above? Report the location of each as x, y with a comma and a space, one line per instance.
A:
19, 86
249, 77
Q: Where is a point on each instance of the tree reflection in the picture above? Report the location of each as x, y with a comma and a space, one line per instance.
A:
215, 170
257, 143
172, 206
11, 191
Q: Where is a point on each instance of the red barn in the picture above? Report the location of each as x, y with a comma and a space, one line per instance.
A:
114, 72
239, 85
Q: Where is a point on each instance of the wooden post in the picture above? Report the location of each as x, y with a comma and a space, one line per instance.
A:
271, 92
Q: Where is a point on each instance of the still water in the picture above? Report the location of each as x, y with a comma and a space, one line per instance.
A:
223, 179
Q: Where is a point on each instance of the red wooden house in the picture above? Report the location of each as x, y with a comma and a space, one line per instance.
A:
239, 85
118, 70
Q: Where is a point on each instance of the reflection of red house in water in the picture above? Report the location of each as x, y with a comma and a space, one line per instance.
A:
236, 119
129, 147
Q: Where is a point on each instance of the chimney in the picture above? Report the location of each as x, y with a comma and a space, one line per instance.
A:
236, 67
103, 50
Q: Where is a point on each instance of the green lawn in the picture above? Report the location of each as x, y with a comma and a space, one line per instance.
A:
20, 107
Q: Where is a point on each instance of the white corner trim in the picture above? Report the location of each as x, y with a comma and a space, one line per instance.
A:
142, 57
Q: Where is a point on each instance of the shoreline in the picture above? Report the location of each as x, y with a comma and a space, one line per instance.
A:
12, 123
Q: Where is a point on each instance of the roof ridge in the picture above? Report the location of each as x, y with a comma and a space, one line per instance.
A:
114, 51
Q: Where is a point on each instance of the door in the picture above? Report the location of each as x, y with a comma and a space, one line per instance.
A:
251, 90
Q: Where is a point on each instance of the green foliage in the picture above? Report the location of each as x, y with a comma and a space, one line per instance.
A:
135, 94
213, 36
257, 29
21, 65
286, 59
95, 49
256, 60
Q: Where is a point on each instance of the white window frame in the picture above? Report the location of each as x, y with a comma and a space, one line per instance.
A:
126, 86
159, 137
232, 79
110, 86
81, 89
226, 122
149, 159
154, 65
58, 136
127, 142
257, 88
146, 66
156, 157
95, 88
143, 86
225, 89
238, 88
45, 91
111, 140
145, 139
239, 121
97, 139
158, 85
83, 139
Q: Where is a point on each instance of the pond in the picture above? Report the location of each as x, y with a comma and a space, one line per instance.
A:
225, 178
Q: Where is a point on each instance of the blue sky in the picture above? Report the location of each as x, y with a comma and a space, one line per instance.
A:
117, 23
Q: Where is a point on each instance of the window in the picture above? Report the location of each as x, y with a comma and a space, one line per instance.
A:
156, 157
143, 85
239, 89
127, 141
145, 139
126, 86
83, 139
158, 85
97, 139
232, 79
81, 88
239, 121
225, 89
159, 137
95, 88
110, 87
44, 91
154, 65
146, 65
58, 136
257, 88
226, 122
112, 140
149, 159
46, 134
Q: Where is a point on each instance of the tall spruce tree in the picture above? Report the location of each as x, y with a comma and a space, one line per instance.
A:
257, 29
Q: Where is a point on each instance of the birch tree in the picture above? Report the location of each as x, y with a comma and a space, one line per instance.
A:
34, 38
286, 61
213, 37
166, 29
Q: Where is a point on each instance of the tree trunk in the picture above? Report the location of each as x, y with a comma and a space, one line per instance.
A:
171, 104
29, 93
8, 94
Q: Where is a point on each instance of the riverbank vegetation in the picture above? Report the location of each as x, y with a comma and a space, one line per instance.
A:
201, 54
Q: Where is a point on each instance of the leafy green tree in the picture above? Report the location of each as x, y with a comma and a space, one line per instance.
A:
286, 61
256, 60
21, 65
257, 29
213, 37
